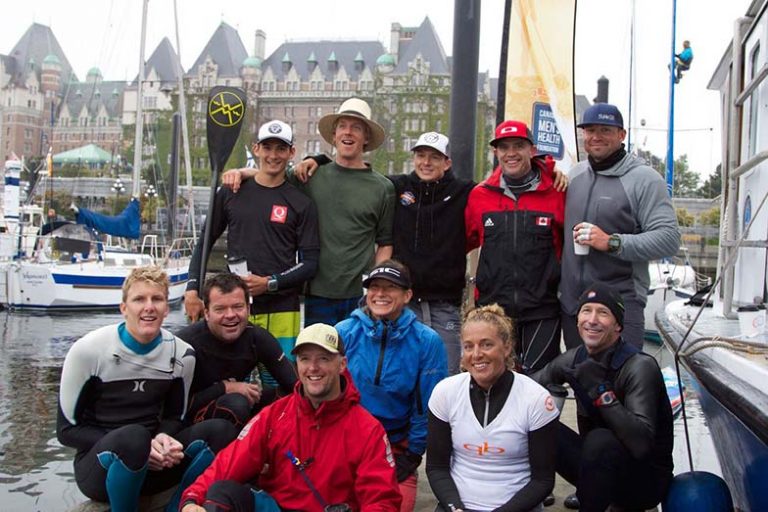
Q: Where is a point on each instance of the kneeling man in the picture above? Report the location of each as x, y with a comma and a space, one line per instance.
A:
622, 454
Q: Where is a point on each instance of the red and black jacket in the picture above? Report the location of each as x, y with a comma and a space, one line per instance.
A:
521, 240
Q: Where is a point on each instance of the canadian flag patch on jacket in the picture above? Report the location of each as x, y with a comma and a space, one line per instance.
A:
543, 221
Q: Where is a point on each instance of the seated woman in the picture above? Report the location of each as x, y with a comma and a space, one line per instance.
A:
491, 431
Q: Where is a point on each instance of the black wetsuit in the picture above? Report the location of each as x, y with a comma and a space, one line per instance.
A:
623, 452
116, 394
219, 361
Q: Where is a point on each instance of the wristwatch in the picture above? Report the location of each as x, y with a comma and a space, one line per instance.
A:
614, 243
272, 284
607, 398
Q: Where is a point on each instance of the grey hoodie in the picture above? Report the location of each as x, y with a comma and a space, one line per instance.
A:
631, 200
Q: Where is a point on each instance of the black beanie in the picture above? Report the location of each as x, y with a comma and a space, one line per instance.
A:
602, 294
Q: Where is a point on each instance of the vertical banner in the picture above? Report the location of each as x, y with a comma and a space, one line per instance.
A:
537, 74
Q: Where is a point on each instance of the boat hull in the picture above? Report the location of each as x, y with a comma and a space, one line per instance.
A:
90, 285
731, 389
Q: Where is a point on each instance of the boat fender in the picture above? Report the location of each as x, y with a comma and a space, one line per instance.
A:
698, 491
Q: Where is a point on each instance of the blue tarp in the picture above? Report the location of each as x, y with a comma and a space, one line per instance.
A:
127, 224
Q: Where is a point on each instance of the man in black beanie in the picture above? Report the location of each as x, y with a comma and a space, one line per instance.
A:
622, 454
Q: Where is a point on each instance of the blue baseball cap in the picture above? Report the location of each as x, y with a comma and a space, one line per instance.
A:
604, 114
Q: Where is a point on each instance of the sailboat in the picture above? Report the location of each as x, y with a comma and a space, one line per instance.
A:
70, 267
721, 339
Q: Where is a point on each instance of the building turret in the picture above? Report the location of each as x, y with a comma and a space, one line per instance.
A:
50, 76
93, 76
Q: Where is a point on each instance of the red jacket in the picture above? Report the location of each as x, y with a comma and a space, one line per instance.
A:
345, 449
522, 240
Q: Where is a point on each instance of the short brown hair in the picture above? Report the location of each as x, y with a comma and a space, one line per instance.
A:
505, 327
227, 283
150, 274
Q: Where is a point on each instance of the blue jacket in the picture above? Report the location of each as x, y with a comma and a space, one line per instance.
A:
395, 365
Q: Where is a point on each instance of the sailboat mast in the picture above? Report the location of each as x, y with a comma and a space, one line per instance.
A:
184, 127
137, 143
671, 128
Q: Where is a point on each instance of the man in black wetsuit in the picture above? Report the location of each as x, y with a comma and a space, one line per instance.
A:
122, 400
228, 349
623, 452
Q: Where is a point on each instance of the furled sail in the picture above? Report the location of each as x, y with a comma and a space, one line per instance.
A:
126, 224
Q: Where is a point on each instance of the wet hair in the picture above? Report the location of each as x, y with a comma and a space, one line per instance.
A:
227, 283
494, 315
150, 274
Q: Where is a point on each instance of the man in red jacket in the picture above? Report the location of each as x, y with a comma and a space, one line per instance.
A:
516, 216
313, 450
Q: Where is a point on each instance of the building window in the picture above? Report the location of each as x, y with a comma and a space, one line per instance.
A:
27, 133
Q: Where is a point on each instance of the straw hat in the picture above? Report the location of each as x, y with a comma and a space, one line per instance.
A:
353, 107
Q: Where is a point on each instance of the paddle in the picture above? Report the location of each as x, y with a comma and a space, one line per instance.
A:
226, 110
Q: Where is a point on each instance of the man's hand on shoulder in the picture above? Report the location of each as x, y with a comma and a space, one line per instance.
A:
233, 178
305, 169
193, 306
192, 507
561, 180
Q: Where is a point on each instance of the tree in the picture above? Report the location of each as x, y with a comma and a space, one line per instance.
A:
684, 219
686, 180
712, 186
710, 217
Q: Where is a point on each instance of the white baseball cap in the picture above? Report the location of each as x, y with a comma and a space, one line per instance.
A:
434, 140
275, 130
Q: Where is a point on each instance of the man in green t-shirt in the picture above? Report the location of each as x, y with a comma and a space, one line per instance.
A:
355, 207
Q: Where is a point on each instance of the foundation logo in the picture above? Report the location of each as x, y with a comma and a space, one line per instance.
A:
226, 109
482, 449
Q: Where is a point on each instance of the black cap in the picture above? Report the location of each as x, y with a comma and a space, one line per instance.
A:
401, 278
601, 294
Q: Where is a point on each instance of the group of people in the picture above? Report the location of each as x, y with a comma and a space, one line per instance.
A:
339, 415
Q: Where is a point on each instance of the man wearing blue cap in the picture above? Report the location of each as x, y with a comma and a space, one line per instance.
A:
620, 212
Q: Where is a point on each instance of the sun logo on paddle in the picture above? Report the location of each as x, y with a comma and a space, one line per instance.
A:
226, 109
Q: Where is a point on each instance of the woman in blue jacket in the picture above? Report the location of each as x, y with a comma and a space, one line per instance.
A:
395, 362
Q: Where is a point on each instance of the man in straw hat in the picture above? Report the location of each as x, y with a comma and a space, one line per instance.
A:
355, 207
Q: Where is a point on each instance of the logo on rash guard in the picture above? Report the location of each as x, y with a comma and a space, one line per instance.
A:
483, 448
279, 213
138, 386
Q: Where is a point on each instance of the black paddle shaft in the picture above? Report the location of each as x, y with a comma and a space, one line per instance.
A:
226, 111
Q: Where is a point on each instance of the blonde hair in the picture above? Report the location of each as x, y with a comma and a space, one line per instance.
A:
494, 315
151, 274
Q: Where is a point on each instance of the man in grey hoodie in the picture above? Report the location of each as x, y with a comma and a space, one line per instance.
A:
619, 210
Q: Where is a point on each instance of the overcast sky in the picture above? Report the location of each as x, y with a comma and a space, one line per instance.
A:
106, 33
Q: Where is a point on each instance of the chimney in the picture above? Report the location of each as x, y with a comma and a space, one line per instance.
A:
260, 42
602, 90
394, 41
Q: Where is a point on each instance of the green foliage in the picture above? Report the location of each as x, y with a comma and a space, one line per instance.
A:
684, 219
712, 186
686, 181
710, 217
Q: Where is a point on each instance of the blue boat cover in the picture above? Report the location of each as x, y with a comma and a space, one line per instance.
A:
126, 224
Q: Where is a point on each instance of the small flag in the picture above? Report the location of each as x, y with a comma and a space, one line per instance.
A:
250, 162
543, 221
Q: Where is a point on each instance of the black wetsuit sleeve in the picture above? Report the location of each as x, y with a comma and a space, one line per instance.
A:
439, 448
270, 353
79, 436
542, 455
205, 396
634, 417
555, 371
303, 271
320, 159
218, 225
